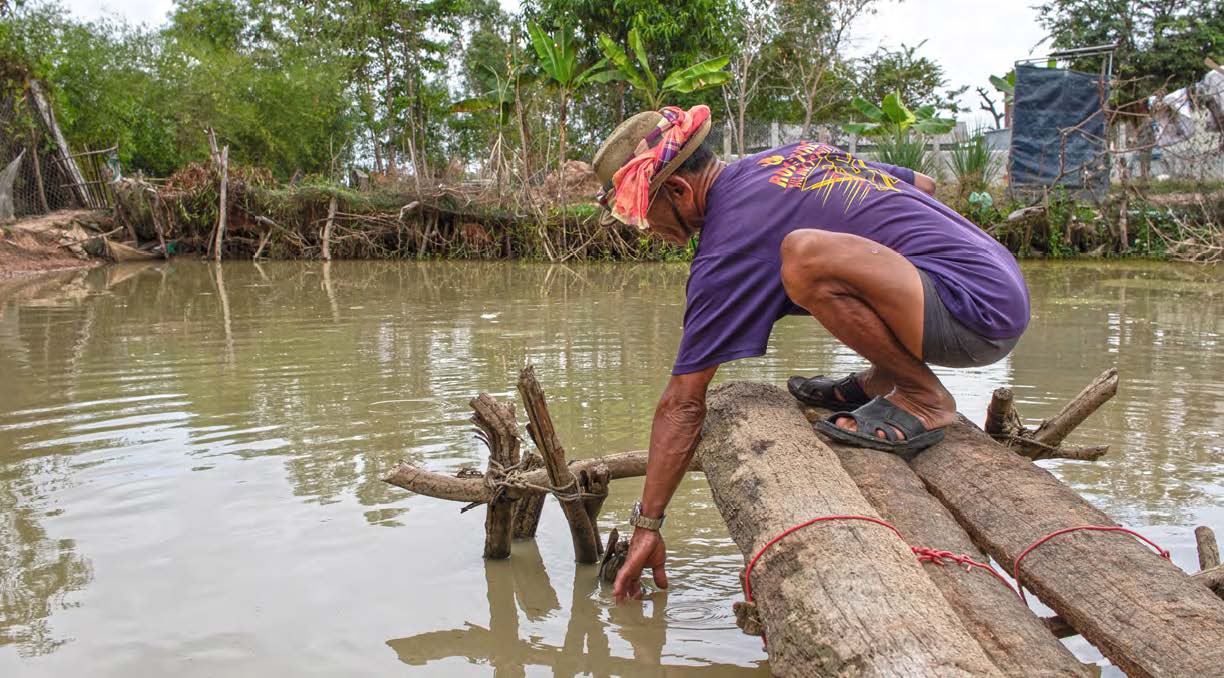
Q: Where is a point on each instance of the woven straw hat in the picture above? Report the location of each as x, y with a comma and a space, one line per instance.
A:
619, 148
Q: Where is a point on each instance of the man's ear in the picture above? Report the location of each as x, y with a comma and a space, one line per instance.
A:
678, 186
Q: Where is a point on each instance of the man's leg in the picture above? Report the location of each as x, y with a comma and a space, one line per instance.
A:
871, 299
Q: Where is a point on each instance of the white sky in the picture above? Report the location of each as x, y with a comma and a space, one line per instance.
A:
969, 38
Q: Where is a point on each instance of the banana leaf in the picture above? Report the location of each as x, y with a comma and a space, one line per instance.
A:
617, 56
896, 111
699, 76
639, 50
868, 109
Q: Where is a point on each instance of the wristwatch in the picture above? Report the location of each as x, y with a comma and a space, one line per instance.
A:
636, 519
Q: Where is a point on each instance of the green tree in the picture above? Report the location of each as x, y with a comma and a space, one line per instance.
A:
1160, 42
917, 79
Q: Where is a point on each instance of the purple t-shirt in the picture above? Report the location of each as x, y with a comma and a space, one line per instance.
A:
735, 292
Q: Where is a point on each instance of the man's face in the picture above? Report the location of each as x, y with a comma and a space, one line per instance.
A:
677, 225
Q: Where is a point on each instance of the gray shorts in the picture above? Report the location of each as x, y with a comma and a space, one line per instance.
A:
948, 343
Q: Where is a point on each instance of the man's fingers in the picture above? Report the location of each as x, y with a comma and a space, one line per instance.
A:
660, 576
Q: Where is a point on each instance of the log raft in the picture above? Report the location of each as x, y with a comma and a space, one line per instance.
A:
1013, 637
844, 598
768, 470
1143, 613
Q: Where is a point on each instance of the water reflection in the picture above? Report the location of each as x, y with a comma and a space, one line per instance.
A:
161, 423
521, 584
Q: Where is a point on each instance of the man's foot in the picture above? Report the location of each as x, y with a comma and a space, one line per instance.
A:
906, 417
883, 425
851, 391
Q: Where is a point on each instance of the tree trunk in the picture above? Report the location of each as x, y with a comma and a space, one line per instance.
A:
1143, 613
838, 598
1012, 636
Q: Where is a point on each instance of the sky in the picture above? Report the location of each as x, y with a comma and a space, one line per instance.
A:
970, 39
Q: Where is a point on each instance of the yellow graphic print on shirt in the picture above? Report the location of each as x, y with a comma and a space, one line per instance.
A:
820, 167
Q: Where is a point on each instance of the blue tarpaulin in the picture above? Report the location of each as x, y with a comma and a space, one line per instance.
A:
1058, 131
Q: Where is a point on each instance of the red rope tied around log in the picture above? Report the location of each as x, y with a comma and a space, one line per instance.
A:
1090, 528
926, 554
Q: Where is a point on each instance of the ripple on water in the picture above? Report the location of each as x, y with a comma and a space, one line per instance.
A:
698, 615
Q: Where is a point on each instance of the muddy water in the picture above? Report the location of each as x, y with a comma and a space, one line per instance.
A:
189, 459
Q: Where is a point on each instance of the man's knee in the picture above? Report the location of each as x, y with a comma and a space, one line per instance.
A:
807, 262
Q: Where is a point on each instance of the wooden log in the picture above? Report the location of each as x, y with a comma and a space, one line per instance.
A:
1054, 430
1212, 578
527, 510
458, 488
222, 214
1143, 613
1013, 637
594, 484
560, 477
496, 426
1208, 547
327, 228
838, 598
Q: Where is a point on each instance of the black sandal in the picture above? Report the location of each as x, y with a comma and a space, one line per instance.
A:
881, 415
821, 391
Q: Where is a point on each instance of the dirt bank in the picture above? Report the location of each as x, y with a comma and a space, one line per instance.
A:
42, 244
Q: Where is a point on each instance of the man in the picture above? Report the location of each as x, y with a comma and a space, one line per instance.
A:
862, 246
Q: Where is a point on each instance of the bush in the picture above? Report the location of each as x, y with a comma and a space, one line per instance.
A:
972, 163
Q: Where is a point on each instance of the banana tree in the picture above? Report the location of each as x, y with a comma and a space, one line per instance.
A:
557, 56
893, 117
891, 123
694, 78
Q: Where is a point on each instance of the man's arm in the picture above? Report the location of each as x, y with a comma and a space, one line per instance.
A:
673, 438
924, 183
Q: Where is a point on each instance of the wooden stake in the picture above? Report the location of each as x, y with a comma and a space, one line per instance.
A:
1001, 417
496, 427
38, 180
157, 225
594, 483
559, 475
527, 510
327, 229
224, 206
1208, 547
263, 242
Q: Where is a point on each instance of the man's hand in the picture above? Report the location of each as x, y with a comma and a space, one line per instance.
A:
924, 183
646, 549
